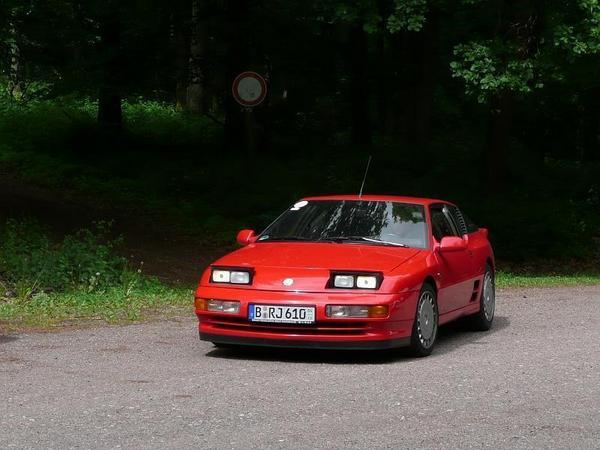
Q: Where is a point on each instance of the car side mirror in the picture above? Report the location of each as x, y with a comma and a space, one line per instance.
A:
246, 237
452, 244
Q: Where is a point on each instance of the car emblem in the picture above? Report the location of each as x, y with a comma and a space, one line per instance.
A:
288, 281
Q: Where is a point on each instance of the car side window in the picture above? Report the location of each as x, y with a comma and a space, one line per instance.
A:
440, 225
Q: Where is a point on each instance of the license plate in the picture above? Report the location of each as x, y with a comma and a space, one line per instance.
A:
281, 314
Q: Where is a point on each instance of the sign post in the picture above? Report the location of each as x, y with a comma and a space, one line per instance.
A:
249, 89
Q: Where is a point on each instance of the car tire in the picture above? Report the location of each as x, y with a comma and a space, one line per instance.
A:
482, 320
425, 326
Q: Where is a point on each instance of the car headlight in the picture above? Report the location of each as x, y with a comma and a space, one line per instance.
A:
342, 311
231, 276
343, 281
355, 280
366, 282
224, 306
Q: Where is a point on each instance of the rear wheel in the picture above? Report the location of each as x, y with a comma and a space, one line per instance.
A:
425, 327
482, 320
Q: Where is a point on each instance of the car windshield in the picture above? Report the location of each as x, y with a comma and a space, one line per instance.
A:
351, 221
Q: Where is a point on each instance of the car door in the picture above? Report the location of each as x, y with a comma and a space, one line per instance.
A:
478, 245
455, 268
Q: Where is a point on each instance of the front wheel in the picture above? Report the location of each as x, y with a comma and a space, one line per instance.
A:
482, 320
425, 327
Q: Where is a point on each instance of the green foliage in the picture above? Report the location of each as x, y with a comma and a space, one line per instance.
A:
582, 37
487, 70
518, 55
405, 15
161, 122
84, 261
30, 91
408, 15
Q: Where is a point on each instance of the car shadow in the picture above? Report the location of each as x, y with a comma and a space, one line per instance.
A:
451, 337
5, 339
457, 334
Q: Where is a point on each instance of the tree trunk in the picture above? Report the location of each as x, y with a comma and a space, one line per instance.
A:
109, 106
237, 60
523, 27
182, 52
383, 68
426, 81
196, 90
400, 112
359, 91
15, 77
498, 139
588, 135
109, 98
382, 85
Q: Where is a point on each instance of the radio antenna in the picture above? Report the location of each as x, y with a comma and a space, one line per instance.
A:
365, 177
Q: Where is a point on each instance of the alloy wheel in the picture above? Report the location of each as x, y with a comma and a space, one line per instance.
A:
488, 297
427, 319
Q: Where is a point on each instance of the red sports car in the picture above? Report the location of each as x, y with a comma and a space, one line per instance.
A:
351, 272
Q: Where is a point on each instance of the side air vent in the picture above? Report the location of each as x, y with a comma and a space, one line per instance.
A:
475, 293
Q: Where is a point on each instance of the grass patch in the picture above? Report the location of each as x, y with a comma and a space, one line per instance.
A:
511, 280
113, 305
44, 283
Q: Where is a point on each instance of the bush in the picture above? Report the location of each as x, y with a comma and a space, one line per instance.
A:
30, 262
79, 278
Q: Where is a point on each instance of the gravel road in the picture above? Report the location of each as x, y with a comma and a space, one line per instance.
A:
531, 382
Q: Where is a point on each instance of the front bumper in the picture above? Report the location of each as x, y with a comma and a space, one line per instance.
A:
326, 333
323, 345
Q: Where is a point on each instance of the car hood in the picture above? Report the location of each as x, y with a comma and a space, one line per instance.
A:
309, 264
319, 256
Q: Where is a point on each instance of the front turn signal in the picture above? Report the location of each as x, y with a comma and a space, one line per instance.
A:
378, 311
356, 311
200, 304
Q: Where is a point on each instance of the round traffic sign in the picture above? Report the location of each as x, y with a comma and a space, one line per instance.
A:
249, 89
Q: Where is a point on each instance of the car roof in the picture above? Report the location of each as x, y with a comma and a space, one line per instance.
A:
379, 198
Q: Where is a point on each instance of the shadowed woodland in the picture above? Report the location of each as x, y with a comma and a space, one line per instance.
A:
127, 106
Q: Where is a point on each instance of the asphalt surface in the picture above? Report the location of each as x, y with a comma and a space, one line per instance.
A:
531, 382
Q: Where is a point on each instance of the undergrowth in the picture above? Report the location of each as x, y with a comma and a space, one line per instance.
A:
45, 283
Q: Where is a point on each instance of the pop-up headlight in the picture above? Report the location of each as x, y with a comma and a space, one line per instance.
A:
231, 276
355, 280
343, 281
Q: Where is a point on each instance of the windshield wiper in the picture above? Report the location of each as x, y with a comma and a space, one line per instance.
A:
363, 238
294, 238
287, 238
